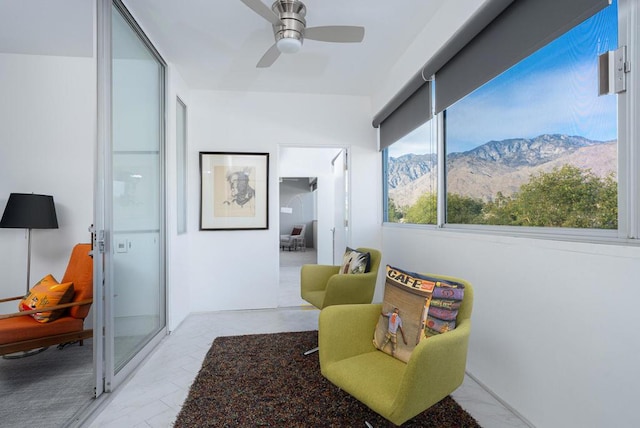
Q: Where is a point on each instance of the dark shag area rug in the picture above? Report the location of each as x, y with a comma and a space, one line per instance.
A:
264, 380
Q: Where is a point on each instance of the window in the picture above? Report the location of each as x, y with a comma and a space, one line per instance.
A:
181, 166
535, 146
411, 177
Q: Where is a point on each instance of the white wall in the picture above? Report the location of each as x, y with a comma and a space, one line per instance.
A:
239, 269
554, 325
47, 145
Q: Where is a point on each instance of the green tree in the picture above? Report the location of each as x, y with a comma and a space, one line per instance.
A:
464, 209
394, 215
424, 211
565, 197
607, 217
500, 211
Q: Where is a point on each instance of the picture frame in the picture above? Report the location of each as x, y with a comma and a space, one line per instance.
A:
234, 191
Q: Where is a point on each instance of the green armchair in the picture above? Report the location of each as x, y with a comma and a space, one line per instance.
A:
322, 285
396, 390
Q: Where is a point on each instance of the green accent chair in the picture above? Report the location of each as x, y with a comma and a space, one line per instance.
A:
323, 285
396, 390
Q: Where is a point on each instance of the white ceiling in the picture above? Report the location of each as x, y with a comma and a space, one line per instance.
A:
215, 44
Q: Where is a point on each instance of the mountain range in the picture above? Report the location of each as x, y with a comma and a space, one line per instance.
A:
497, 166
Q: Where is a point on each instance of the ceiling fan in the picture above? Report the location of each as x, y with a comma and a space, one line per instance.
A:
289, 29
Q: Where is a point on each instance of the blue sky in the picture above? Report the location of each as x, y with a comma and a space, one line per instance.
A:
554, 91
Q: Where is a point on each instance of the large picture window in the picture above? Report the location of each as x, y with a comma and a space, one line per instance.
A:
535, 146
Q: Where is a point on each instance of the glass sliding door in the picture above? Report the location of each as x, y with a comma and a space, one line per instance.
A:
135, 254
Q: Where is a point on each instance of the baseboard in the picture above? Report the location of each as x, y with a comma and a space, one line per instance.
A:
500, 400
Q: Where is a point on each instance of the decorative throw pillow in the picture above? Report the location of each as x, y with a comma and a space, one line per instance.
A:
415, 306
47, 292
296, 231
404, 308
443, 311
355, 261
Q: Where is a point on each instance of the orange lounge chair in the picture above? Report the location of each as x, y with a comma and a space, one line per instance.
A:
20, 332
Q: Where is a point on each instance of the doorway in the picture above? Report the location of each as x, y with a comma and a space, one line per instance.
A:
313, 191
298, 234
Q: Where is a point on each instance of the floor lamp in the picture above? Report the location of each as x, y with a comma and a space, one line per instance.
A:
29, 211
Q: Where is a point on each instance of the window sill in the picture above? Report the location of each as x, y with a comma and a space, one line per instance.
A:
589, 236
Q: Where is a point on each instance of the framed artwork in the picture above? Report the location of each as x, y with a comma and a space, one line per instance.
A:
234, 191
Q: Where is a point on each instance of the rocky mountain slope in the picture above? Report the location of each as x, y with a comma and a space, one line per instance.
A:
498, 166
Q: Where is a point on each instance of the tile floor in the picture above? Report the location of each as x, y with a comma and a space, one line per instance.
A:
152, 397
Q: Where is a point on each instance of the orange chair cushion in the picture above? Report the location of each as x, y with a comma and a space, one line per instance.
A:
25, 328
47, 292
80, 272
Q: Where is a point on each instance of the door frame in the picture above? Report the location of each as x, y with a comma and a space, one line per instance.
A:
340, 168
325, 255
106, 380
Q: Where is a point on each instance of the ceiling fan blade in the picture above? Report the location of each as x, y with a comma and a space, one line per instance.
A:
263, 10
335, 33
269, 57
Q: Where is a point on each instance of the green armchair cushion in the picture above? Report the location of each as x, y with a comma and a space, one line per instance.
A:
396, 390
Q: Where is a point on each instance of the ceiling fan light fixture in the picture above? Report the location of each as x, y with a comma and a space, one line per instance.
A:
289, 45
287, 18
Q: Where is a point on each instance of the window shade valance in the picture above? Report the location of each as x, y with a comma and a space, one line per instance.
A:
498, 35
412, 113
480, 20
520, 30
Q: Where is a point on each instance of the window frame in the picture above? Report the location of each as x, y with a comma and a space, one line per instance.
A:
181, 167
628, 232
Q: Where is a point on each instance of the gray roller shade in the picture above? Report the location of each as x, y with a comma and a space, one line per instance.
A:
476, 23
413, 112
520, 30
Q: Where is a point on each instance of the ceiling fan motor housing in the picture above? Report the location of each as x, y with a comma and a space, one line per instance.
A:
291, 13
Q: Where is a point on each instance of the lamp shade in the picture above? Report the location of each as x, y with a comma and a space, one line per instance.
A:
29, 211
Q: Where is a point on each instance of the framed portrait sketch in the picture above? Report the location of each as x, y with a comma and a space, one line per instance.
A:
234, 191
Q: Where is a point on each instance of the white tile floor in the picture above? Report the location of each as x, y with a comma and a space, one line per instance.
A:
152, 397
